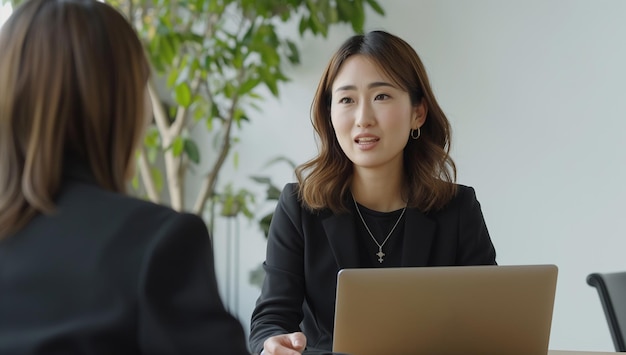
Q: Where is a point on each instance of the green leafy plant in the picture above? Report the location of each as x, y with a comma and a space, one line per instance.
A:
214, 61
272, 192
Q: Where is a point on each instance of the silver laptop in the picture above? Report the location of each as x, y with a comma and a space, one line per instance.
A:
461, 310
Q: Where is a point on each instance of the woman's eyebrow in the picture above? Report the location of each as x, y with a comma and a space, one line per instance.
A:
370, 86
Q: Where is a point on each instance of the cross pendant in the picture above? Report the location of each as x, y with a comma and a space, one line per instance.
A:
380, 255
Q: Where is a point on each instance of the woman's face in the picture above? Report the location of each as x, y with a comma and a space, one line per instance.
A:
371, 116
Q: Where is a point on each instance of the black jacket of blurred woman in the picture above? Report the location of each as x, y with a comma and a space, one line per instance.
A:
382, 192
84, 268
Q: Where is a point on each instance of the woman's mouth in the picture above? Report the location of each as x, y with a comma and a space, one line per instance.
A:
366, 140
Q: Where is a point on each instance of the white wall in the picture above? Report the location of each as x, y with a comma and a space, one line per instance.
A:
5, 12
535, 93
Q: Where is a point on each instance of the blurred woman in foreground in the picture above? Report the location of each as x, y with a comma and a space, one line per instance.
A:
83, 267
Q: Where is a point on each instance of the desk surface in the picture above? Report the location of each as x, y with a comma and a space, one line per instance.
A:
567, 352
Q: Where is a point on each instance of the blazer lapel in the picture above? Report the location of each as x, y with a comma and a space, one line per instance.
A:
419, 231
342, 238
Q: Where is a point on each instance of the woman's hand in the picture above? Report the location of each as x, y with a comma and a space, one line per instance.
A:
285, 344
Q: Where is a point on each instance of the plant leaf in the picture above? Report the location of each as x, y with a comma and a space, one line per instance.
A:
294, 54
192, 151
248, 86
183, 94
261, 179
178, 146
157, 178
152, 138
376, 7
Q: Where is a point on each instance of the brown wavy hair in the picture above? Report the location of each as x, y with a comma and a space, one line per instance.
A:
73, 77
324, 181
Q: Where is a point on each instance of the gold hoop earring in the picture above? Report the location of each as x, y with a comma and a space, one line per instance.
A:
419, 133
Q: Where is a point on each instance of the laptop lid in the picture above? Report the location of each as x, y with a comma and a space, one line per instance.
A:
445, 310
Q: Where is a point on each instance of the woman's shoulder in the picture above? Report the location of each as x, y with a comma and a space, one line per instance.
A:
464, 191
290, 201
79, 197
464, 197
290, 193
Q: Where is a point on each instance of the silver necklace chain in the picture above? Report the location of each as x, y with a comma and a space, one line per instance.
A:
380, 253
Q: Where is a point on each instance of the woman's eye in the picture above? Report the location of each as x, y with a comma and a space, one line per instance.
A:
381, 97
345, 100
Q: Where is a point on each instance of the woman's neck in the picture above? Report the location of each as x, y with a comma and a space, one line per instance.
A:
379, 190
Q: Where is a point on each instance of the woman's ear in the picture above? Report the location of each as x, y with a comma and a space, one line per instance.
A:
420, 111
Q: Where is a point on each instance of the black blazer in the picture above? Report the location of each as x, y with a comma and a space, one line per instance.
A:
305, 251
110, 274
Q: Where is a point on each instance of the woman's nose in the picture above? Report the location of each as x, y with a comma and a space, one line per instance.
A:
364, 115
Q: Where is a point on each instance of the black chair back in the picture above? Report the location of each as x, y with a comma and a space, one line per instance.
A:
612, 291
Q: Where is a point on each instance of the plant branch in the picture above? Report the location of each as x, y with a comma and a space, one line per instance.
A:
146, 177
174, 183
172, 170
160, 116
208, 184
178, 125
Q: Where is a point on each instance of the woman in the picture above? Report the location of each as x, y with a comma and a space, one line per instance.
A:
380, 193
83, 267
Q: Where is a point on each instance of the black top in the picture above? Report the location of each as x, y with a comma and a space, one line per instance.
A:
380, 224
305, 250
110, 274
